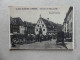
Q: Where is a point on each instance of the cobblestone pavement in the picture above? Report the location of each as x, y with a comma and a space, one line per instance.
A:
44, 45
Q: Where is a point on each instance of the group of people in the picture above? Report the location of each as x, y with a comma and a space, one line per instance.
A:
38, 38
30, 38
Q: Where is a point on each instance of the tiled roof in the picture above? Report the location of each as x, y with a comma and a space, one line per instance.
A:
29, 24
16, 21
50, 25
70, 9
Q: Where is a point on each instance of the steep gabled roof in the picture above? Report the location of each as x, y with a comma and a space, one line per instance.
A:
29, 24
70, 9
16, 21
50, 25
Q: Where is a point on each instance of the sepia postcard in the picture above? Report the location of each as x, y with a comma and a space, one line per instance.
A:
41, 27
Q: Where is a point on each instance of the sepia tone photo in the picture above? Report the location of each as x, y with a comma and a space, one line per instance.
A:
41, 27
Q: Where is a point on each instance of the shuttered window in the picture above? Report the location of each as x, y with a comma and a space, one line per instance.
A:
43, 29
36, 29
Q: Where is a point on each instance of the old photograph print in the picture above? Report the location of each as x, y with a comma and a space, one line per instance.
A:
41, 27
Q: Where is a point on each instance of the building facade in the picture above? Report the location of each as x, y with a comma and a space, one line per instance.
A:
16, 25
68, 23
29, 28
44, 26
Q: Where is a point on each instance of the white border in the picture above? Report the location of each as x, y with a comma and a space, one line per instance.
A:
39, 7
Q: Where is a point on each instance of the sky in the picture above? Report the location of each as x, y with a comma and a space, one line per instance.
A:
55, 14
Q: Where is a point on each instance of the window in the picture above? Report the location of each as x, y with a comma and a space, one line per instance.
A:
38, 25
53, 26
71, 24
14, 20
42, 25
43, 29
41, 21
36, 29
22, 31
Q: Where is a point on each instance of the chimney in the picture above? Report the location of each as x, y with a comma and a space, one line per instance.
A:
47, 18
